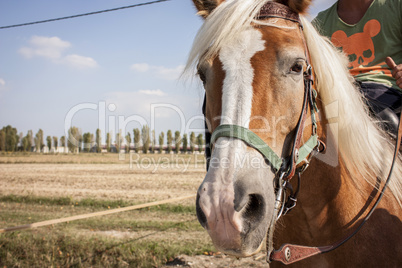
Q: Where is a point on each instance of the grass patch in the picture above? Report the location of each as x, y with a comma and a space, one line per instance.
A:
92, 203
134, 225
57, 249
60, 201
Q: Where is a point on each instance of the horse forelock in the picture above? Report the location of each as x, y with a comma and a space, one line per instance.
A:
228, 20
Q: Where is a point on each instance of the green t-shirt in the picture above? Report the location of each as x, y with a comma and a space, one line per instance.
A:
367, 43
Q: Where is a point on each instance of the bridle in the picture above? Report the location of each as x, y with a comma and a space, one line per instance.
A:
300, 156
284, 168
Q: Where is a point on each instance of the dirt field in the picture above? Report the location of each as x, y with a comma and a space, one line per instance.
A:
96, 181
106, 178
149, 178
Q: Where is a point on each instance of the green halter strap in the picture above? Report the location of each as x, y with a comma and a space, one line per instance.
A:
251, 139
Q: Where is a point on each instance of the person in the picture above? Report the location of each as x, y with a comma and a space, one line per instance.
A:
369, 32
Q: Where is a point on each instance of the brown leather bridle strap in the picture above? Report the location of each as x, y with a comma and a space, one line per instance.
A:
308, 81
289, 253
277, 10
299, 131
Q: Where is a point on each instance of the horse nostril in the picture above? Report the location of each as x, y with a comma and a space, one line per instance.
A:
200, 214
254, 211
241, 201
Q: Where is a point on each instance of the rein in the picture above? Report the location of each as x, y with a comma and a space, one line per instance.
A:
298, 160
289, 253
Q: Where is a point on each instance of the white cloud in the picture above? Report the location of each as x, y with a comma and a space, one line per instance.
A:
169, 73
140, 67
53, 48
156, 92
160, 71
140, 102
47, 47
137, 102
3, 87
80, 61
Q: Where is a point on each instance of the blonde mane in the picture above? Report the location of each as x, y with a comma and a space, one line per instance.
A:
363, 146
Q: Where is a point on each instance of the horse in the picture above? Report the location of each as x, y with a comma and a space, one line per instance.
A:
291, 134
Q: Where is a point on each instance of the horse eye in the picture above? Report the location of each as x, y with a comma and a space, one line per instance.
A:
202, 76
296, 68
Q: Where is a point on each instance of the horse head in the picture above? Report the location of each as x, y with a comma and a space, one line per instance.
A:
254, 71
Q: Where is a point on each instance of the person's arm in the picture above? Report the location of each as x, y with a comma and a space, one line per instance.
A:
396, 70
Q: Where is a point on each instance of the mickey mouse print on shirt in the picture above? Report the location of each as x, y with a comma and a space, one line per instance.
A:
359, 46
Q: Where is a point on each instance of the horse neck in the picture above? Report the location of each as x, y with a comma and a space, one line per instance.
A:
329, 208
328, 204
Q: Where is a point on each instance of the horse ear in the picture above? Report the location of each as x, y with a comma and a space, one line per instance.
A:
299, 6
205, 7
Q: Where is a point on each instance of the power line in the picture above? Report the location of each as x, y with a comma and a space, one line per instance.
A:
82, 15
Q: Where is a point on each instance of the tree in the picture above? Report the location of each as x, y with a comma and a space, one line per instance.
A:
30, 140
128, 142
88, 140
98, 141
145, 138
161, 138
49, 142
153, 141
185, 143
169, 141
9, 139
39, 141
192, 142
63, 141
108, 142
137, 138
119, 141
74, 140
55, 142
2, 140
200, 142
177, 141
20, 137
118, 144
24, 144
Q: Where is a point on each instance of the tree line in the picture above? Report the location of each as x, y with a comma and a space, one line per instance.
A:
143, 140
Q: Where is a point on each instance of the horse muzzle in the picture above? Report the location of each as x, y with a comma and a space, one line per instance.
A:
235, 202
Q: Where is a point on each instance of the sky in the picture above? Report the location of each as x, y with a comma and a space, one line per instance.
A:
115, 71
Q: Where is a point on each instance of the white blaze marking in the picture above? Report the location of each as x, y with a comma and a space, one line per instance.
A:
237, 95
237, 91
217, 194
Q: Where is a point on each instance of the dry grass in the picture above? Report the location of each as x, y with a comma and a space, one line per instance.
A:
144, 178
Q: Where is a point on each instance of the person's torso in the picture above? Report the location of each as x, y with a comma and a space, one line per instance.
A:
367, 43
